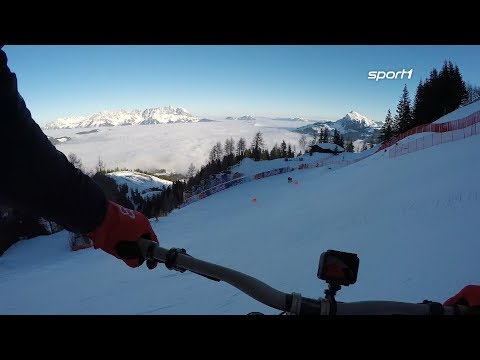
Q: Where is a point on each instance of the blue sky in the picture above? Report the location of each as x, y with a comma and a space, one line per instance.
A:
315, 81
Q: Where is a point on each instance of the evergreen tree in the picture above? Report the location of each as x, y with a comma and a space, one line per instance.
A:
283, 149
459, 92
290, 153
403, 116
441, 93
274, 153
326, 136
337, 139
350, 147
265, 155
386, 131
418, 111
257, 145
228, 161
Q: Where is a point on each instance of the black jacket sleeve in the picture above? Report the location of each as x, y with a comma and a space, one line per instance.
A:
34, 175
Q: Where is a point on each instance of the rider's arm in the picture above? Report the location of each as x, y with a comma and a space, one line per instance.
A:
35, 176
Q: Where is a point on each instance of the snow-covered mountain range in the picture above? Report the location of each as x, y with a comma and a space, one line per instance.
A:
352, 126
162, 115
244, 117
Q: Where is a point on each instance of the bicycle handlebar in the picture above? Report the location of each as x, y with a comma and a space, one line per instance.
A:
178, 259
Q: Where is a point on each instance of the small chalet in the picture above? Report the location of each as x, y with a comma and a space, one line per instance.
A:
326, 148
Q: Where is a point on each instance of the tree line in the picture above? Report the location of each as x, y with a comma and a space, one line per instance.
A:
223, 156
441, 93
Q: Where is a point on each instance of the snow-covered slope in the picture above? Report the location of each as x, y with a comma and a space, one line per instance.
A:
165, 114
460, 113
146, 185
412, 220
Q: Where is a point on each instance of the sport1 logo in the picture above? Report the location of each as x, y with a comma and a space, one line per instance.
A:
389, 75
